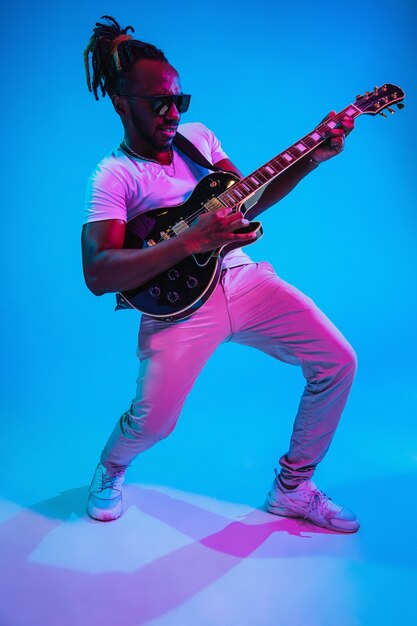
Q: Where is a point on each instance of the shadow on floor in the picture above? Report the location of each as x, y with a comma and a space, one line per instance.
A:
167, 548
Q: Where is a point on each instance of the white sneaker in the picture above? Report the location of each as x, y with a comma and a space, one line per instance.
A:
308, 502
105, 496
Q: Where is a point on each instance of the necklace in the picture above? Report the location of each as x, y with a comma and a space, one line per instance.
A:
132, 152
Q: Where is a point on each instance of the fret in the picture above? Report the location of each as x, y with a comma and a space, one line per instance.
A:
300, 147
310, 142
262, 176
237, 192
331, 123
294, 152
277, 165
352, 111
266, 173
315, 136
227, 199
288, 157
237, 197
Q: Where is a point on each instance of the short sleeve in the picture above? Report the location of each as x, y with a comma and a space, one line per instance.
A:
106, 195
204, 140
216, 150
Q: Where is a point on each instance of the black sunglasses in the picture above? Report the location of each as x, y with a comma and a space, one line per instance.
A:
162, 104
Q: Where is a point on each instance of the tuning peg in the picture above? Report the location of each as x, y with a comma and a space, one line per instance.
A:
391, 110
383, 114
400, 105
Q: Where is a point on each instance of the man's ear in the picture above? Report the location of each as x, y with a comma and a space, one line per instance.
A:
119, 105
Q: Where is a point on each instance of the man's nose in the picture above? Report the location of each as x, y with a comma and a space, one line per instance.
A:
172, 113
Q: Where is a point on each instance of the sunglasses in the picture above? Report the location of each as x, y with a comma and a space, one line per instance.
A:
162, 104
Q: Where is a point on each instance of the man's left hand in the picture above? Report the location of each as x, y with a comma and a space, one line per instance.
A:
335, 139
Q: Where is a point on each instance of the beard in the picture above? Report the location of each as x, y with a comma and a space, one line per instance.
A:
148, 132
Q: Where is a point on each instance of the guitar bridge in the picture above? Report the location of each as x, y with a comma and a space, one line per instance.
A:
180, 227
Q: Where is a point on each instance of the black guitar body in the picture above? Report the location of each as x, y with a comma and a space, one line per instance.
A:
178, 292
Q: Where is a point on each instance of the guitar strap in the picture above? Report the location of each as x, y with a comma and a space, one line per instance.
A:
189, 149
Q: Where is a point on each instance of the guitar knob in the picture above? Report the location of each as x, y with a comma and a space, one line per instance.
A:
192, 282
173, 296
155, 291
400, 105
173, 274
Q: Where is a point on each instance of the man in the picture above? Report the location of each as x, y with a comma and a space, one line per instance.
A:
250, 304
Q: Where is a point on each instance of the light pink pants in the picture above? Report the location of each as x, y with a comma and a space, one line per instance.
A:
251, 305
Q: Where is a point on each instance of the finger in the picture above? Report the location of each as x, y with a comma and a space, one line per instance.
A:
223, 212
337, 143
347, 124
328, 116
348, 121
336, 132
236, 224
242, 236
234, 217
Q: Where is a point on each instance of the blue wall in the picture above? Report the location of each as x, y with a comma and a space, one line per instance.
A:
262, 75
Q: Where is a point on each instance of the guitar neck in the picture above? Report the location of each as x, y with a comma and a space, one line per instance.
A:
245, 188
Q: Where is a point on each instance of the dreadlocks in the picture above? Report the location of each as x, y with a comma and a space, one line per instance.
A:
113, 54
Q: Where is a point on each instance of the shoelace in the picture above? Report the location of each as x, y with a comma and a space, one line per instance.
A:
317, 502
112, 482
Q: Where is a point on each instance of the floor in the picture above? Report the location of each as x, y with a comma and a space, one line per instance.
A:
180, 558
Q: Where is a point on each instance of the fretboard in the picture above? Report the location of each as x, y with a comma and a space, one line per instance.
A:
242, 190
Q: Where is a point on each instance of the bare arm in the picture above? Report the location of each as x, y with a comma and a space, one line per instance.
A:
108, 267
283, 184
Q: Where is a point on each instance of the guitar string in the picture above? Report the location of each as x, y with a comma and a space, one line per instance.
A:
320, 128
191, 218
199, 212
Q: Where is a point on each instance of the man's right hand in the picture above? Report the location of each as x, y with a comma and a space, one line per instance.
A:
109, 267
216, 229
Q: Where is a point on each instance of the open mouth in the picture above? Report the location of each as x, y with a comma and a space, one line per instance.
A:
168, 131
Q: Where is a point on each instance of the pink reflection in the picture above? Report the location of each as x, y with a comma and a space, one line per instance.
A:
45, 594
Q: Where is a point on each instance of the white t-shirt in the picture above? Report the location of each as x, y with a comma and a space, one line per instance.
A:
122, 187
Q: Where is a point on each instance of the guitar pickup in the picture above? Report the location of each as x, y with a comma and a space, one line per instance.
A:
180, 227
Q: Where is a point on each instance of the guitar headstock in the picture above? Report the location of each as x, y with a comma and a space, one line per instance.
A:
373, 102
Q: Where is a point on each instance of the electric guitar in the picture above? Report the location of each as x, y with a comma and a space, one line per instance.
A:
179, 291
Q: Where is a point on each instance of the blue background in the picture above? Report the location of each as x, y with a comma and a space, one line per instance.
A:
262, 75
